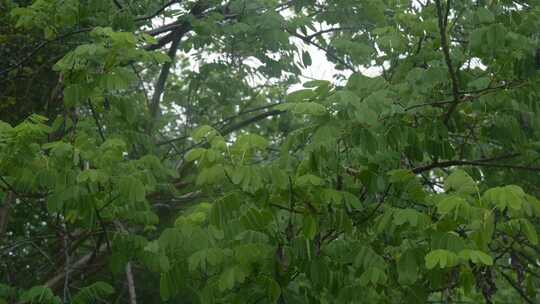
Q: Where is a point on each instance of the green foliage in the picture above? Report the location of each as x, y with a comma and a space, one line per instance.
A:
177, 157
93, 293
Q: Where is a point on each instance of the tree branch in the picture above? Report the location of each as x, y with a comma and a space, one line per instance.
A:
223, 121
443, 21
117, 4
131, 284
96, 120
164, 74
159, 11
516, 287
79, 265
39, 47
478, 163
177, 34
232, 128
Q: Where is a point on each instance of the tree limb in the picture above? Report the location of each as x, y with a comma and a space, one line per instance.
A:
159, 11
478, 163
164, 74
96, 120
221, 122
78, 266
40, 46
131, 284
232, 128
443, 21
516, 287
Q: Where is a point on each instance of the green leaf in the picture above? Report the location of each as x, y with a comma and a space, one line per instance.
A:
171, 282
300, 96
407, 268
254, 219
94, 293
308, 180
230, 277
400, 176
316, 83
306, 58
441, 257
39, 294
510, 196
373, 275
460, 182
132, 189
74, 94
211, 175
455, 207
195, 154
409, 216
309, 227
365, 115
476, 257
529, 231
247, 142
204, 131
303, 108
484, 15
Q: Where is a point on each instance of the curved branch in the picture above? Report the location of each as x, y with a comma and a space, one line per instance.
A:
159, 11
247, 122
223, 121
478, 163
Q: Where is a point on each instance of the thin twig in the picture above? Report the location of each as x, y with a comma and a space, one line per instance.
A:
40, 46
516, 287
96, 119
67, 264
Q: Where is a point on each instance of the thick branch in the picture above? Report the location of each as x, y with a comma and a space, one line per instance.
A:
131, 284
164, 74
221, 122
176, 35
166, 28
78, 265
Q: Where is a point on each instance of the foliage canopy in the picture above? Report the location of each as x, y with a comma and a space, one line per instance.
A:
153, 151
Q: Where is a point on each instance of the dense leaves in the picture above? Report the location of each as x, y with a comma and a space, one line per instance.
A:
163, 151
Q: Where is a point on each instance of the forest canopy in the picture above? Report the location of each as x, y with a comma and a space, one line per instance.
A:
269, 151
